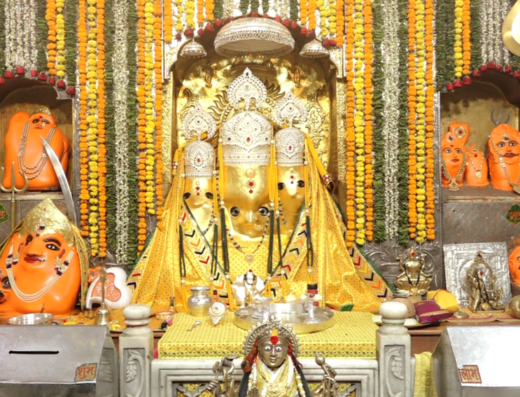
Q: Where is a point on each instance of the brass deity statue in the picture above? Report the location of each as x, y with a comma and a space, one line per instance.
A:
250, 207
480, 283
413, 280
271, 368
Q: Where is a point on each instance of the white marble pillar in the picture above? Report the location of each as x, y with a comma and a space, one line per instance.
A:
136, 352
393, 344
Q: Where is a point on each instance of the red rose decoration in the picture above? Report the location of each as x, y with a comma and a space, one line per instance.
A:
2, 81
466, 80
491, 65
304, 32
200, 32
52, 80
61, 85
266, 16
188, 33
498, 68
516, 75
278, 19
71, 91
508, 69
254, 14
294, 25
20, 70
476, 73
209, 27
34, 73
178, 37
449, 86
333, 43
8, 74
218, 23
286, 23
42, 77
312, 34
483, 68
457, 84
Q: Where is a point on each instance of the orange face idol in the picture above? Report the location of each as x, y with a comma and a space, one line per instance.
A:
514, 265
41, 268
504, 157
24, 149
453, 158
476, 173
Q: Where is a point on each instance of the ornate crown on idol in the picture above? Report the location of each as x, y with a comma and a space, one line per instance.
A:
199, 155
290, 142
273, 331
246, 137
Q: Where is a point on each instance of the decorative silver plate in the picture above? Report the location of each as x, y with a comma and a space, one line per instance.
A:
32, 319
459, 257
294, 315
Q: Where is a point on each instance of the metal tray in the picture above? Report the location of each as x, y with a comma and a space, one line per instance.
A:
291, 314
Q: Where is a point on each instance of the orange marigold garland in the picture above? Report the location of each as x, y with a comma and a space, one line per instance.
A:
60, 39
149, 147
82, 116
349, 122
430, 119
312, 15
466, 37
340, 23
210, 6
303, 12
412, 104
369, 96
50, 16
101, 154
159, 167
168, 21
200, 13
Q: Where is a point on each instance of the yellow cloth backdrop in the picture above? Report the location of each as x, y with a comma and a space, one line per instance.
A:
353, 335
424, 382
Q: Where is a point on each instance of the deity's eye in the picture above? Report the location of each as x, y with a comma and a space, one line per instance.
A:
267, 348
501, 144
186, 196
52, 247
29, 239
448, 150
45, 122
281, 186
263, 211
209, 195
35, 121
301, 183
235, 211
513, 143
278, 349
459, 151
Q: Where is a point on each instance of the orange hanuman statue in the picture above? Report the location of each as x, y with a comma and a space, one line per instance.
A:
24, 148
504, 158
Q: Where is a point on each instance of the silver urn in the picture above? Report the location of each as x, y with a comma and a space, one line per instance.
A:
200, 302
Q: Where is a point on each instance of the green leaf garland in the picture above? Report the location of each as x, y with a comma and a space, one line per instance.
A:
476, 54
218, 10
2, 38
71, 39
440, 43
41, 35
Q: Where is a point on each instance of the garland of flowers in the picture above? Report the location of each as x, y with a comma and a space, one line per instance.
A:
402, 156
159, 168
41, 35
82, 116
476, 54
466, 37
141, 123
430, 121
369, 95
218, 11
2, 39
412, 104
349, 122
50, 16
459, 62
359, 121
265, 6
210, 7
200, 12
131, 172
168, 21
10, 37
60, 39
179, 26
323, 9
504, 10
420, 121
32, 37
70, 40
312, 15
340, 23
379, 144
440, 40
304, 10
190, 13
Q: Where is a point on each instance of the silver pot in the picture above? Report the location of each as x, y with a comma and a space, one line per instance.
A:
200, 302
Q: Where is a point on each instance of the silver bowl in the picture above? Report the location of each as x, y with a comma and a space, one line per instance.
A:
32, 319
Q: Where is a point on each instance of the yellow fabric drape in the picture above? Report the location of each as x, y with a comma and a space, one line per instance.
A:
424, 382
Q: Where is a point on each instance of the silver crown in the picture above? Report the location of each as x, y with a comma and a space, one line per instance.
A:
199, 160
199, 155
265, 330
290, 142
246, 137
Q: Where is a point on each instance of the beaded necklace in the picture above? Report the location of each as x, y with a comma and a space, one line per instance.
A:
453, 185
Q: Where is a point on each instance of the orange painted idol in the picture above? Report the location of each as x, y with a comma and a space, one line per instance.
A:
453, 159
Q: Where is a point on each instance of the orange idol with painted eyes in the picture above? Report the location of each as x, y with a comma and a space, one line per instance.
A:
514, 265
453, 161
43, 265
504, 158
24, 148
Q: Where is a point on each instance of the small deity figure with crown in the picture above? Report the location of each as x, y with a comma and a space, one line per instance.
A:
413, 280
25, 152
271, 367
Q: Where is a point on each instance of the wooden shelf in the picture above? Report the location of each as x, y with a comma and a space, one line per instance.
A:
483, 194
36, 196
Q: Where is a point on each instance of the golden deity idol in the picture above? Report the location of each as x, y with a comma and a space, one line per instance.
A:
43, 265
413, 280
271, 212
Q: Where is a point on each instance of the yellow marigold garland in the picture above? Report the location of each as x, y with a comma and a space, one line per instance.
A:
179, 27
92, 132
420, 123
369, 96
430, 119
168, 21
190, 13
349, 122
322, 7
340, 23
60, 39
82, 116
457, 46
412, 104
359, 121
466, 37
101, 153
331, 15
159, 167
141, 124
50, 16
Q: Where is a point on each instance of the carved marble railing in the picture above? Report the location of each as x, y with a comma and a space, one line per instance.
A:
390, 375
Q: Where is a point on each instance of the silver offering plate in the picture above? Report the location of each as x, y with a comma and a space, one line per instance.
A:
296, 315
32, 319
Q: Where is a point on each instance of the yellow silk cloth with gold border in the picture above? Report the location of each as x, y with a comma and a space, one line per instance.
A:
353, 335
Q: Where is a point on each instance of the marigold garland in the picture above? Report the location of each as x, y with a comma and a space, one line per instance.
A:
349, 122
60, 39
190, 13
168, 21
420, 121
50, 16
82, 115
312, 15
369, 96
210, 6
412, 104
340, 23
466, 37
303, 12
324, 9
200, 12
159, 168
430, 121
70, 40
179, 26
458, 39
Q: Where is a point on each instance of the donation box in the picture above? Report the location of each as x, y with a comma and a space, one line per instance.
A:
57, 361
478, 361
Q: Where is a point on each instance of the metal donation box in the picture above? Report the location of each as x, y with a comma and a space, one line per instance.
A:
57, 361
478, 361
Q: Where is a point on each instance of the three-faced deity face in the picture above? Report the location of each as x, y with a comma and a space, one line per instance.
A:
514, 265
291, 192
272, 355
246, 195
505, 140
41, 122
